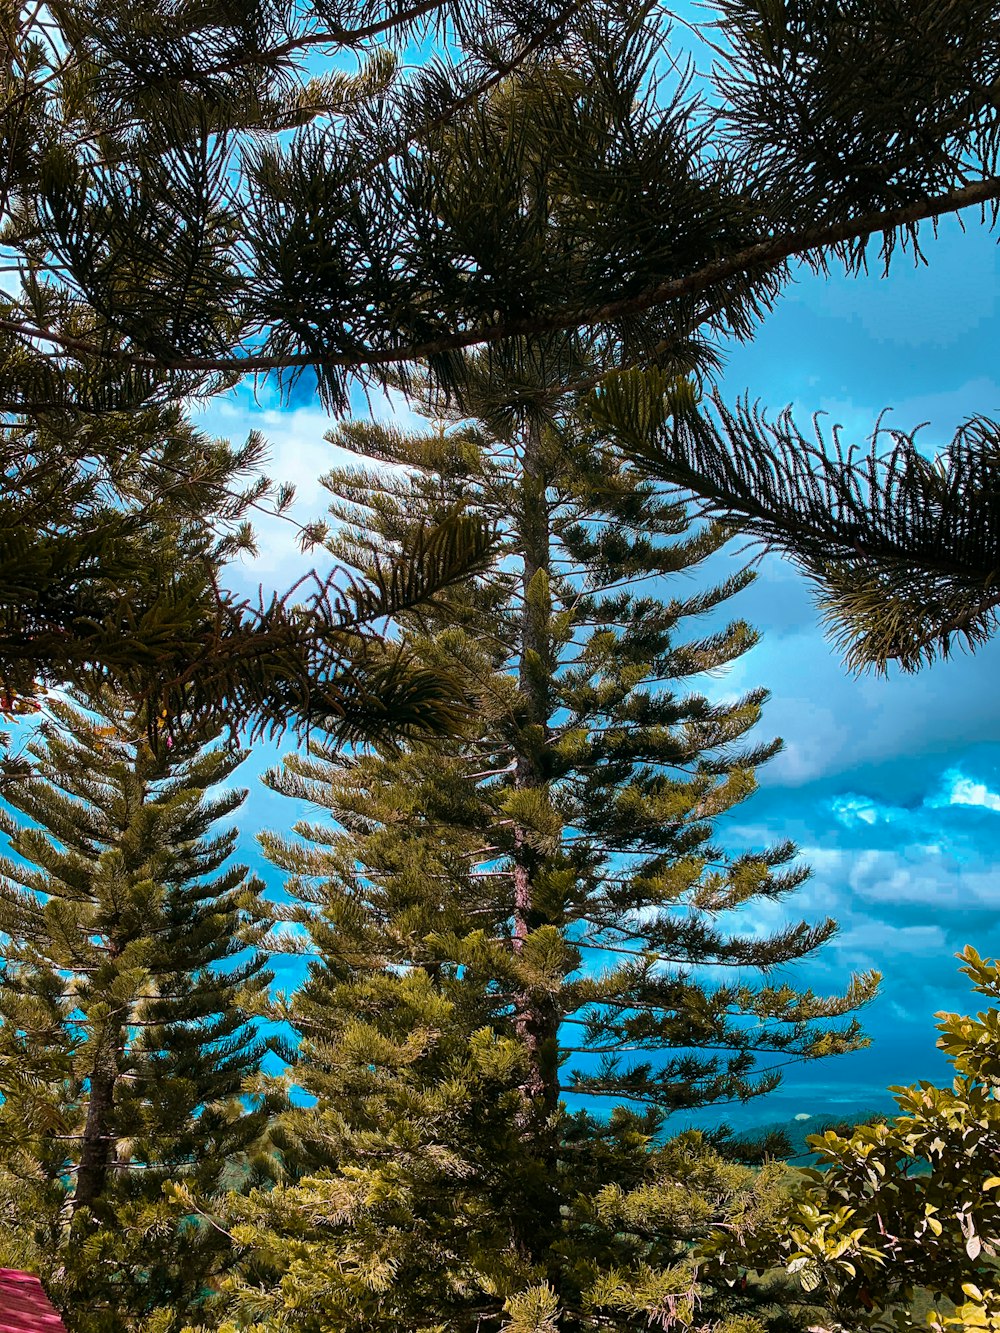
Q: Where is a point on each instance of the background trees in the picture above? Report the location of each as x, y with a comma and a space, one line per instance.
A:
513, 932
131, 975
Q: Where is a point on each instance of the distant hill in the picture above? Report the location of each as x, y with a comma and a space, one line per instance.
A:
796, 1129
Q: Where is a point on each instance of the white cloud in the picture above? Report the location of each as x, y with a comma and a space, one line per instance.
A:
850, 810
836, 723
961, 790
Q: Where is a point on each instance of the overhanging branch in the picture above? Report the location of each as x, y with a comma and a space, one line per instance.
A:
763, 255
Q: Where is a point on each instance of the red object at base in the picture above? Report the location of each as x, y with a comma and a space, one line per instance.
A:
24, 1307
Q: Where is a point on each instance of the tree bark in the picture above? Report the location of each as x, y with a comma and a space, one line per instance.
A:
537, 1019
99, 1137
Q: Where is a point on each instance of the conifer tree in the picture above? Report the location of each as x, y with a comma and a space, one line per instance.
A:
130, 973
525, 955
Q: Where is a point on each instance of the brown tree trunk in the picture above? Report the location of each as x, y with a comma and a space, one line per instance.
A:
99, 1137
537, 1018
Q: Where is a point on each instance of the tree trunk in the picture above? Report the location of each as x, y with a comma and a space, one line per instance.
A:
537, 1017
99, 1137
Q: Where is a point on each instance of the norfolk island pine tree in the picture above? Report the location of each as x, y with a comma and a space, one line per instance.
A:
131, 975
536, 910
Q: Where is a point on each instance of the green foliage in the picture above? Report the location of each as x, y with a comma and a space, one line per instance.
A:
113, 539
195, 191
528, 919
900, 547
909, 1209
118, 234
189, 193
131, 977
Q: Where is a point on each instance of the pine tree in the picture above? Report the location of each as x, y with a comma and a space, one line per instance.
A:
517, 938
131, 975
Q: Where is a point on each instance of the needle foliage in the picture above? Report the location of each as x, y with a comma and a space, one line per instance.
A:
526, 951
190, 192
900, 546
131, 974
348, 190
114, 541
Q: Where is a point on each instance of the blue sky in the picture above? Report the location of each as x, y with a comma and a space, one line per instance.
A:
890, 787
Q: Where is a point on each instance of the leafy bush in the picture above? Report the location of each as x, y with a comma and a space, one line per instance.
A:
906, 1213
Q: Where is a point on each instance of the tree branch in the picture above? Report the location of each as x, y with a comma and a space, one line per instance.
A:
766, 254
